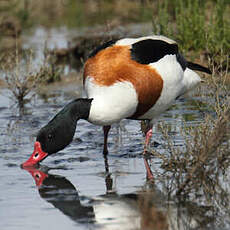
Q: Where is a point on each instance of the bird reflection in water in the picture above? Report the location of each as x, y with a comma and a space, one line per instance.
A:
111, 211
62, 194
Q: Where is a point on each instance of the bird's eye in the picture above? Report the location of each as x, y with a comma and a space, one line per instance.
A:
50, 136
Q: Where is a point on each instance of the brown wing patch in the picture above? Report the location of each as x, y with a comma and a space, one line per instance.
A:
114, 64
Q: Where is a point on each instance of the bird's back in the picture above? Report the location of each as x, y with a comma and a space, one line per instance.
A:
136, 78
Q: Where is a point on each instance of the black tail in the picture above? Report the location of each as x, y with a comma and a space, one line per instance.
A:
198, 67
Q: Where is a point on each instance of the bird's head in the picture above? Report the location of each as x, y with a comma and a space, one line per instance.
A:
59, 132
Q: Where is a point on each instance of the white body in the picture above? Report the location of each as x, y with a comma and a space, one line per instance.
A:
176, 83
113, 103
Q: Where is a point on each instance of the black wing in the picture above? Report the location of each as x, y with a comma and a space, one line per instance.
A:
150, 50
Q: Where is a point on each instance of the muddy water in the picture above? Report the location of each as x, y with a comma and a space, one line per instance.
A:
77, 188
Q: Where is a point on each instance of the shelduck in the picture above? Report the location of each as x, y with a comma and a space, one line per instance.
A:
131, 78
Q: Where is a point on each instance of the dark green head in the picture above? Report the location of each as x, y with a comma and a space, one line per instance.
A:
59, 132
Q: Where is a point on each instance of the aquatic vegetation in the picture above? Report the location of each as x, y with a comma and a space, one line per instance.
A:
23, 77
198, 170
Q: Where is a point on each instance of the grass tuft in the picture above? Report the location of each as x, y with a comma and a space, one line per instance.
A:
23, 78
200, 166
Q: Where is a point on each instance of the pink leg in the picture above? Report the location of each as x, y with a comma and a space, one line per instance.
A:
106, 132
148, 170
148, 136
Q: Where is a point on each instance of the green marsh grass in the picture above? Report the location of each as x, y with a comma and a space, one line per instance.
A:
198, 26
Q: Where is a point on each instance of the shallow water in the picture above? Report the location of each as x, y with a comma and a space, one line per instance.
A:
75, 178
75, 188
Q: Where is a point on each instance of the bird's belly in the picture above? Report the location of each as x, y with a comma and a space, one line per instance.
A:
111, 103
